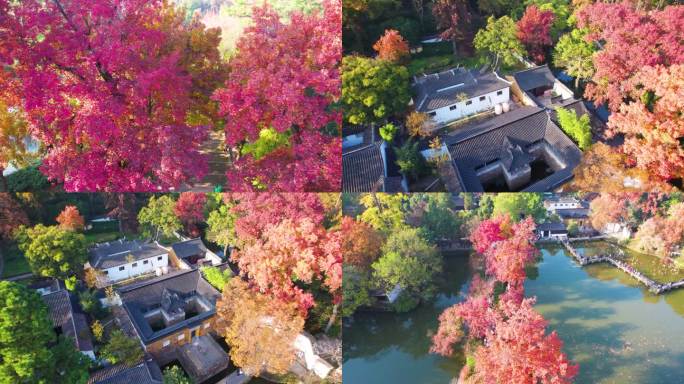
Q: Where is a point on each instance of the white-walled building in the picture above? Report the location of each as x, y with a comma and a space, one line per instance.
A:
457, 93
193, 253
123, 259
556, 231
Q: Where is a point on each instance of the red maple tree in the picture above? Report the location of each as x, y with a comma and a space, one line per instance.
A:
70, 219
106, 88
285, 76
190, 210
534, 31
630, 40
392, 47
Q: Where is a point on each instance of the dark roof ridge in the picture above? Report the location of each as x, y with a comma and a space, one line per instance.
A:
533, 68
377, 144
134, 287
498, 126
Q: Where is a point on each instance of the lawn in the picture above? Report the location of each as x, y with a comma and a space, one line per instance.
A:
14, 261
438, 57
102, 232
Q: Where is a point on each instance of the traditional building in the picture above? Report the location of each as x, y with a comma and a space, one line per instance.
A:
555, 231
458, 93
66, 321
144, 372
123, 259
168, 312
195, 254
521, 150
371, 168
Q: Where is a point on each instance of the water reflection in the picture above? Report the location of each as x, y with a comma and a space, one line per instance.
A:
617, 330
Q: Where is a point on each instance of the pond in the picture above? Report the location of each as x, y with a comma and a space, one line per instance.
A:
615, 329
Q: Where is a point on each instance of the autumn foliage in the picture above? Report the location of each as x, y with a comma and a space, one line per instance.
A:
512, 342
631, 39
70, 219
190, 211
653, 124
285, 76
285, 244
534, 31
392, 47
257, 329
12, 216
105, 86
361, 243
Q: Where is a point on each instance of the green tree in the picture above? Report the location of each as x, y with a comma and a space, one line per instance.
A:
268, 141
500, 39
158, 217
355, 290
388, 131
121, 349
373, 90
579, 129
175, 375
411, 163
575, 54
91, 304
217, 278
561, 14
52, 251
384, 211
437, 218
519, 205
409, 261
29, 350
221, 222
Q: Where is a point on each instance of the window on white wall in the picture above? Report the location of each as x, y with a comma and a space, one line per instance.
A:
452, 107
499, 93
482, 98
469, 102
135, 265
159, 258
122, 268
146, 261
432, 114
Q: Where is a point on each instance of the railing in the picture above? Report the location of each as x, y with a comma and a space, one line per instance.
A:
652, 285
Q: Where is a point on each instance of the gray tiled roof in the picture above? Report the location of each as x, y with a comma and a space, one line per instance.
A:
442, 89
189, 248
575, 213
555, 227
146, 372
59, 306
136, 298
485, 142
73, 325
536, 77
119, 252
362, 169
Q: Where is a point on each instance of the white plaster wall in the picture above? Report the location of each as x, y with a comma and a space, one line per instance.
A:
114, 274
445, 115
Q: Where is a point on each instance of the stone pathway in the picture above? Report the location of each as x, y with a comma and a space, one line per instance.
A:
218, 164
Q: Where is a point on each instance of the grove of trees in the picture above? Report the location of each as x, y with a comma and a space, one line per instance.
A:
122, 95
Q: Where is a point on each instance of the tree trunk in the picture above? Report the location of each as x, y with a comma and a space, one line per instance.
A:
332, 319
225, 251
577, 79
